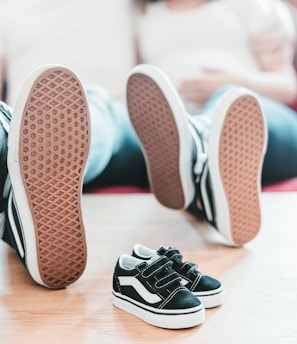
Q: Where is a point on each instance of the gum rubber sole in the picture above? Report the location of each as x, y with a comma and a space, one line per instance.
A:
52, 151
156, 127
242, 147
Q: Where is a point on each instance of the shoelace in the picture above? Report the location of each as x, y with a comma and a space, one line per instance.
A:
199, 127
5, 116
164, 274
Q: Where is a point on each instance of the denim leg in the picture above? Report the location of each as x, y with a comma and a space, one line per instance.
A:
280, 160
103, 133
115, 156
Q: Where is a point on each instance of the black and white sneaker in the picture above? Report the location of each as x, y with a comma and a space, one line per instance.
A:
48, 145
5, 118
151, 290
209, 290
214, 172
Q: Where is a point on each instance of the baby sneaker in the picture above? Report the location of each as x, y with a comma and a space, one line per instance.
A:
209, 290
152, 291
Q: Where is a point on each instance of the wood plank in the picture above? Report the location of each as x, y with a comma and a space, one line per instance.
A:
260, 279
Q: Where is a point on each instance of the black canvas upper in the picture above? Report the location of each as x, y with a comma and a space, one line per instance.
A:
197, 281
5, 117
159, 278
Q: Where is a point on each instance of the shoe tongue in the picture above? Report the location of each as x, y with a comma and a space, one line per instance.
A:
154, 257
169, 252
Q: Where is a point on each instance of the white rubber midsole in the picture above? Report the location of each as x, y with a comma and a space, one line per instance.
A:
17, 172
16, 177
213, 298
166, 319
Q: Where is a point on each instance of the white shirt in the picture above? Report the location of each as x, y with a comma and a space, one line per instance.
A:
214, 35
93, 37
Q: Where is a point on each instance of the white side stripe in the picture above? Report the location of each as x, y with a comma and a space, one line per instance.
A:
13, 227
184, 282
2, 224
204, 195
141, 290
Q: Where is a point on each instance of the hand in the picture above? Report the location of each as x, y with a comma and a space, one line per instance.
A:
198, 90
270, 46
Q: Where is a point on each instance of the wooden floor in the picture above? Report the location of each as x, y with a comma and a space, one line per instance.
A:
260, 279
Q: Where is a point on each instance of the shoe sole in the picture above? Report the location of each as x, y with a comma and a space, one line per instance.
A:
171, 320
48, 148
212, 298
156, 113
237, 145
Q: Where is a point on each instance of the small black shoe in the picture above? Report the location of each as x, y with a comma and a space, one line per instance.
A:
209, 290
151, 290
48, 145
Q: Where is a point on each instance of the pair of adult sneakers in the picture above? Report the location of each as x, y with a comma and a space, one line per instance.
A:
213, 174
162, 289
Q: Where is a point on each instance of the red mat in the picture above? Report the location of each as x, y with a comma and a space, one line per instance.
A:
289, 185
285, 186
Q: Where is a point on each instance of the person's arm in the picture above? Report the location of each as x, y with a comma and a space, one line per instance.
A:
274, 49
269, 49
276, 78
280, 86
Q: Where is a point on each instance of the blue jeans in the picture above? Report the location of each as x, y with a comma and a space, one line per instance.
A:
116, 158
